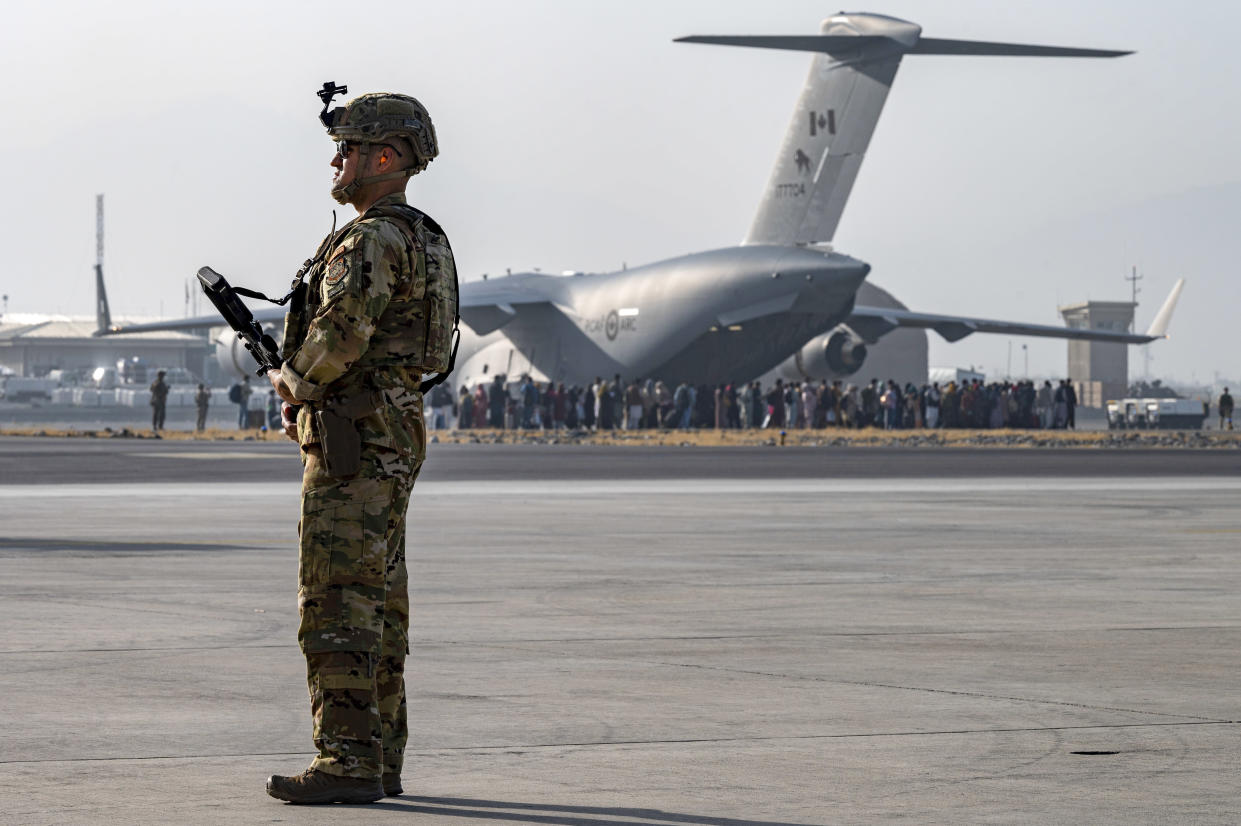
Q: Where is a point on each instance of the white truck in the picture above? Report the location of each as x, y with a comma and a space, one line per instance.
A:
1155, 414
26, 388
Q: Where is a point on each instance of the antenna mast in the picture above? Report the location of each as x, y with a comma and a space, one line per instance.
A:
99, 232
1133, 278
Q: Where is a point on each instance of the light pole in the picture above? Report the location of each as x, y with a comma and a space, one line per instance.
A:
1025, 351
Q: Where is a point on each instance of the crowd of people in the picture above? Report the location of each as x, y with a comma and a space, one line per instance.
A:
646, 403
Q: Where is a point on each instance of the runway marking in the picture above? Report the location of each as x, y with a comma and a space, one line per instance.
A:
750, 488
852, 735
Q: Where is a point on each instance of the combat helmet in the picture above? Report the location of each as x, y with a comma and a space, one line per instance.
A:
380, 117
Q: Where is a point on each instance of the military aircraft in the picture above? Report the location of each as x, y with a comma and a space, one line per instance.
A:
782, 300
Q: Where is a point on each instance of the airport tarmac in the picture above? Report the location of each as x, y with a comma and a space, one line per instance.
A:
607, 636
40, 460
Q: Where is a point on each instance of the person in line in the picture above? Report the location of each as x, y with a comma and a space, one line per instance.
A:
497, 397
441, 406
1070, 404
559, 401
480, 407
775, 406
810, 404
932, 399
633, 406
465, 404
1044, 405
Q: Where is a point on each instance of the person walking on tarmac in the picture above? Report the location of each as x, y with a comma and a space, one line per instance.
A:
1225, 410
377, 311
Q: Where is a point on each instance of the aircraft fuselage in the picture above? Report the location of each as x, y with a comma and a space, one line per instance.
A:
717, 316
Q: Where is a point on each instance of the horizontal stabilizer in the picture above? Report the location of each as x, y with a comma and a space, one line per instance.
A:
834, 43
826, 43
273, 315
932, 45
1159, 327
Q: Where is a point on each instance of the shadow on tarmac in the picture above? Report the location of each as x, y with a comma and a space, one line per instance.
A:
559, 815
53, 544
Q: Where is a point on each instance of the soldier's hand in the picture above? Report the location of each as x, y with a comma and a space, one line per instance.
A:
288, 420
282, 387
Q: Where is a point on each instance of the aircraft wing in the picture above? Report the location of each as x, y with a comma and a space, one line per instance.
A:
272, 315
871, 323
487, 306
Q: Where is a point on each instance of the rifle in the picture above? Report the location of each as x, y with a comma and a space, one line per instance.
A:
238, 315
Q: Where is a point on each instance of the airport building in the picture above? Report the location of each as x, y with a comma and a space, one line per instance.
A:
1099, 369
36, 345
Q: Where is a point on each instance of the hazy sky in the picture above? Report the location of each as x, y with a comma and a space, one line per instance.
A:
576, 135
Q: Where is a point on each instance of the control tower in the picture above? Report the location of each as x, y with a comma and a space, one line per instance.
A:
1099, 370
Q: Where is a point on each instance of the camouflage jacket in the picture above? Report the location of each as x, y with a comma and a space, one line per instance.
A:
373, 308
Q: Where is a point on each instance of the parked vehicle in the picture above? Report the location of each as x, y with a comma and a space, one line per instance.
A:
1155, 414
26, 388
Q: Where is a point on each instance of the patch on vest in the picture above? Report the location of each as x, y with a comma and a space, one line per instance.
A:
336, 270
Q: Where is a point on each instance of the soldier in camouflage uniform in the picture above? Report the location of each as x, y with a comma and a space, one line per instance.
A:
378, 311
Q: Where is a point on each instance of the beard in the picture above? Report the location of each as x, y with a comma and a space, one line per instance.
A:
340, 190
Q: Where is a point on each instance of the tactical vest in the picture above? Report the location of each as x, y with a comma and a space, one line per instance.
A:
427, 339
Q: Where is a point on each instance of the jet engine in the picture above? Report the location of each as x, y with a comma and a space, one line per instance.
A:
836, 354
231, 354
845, 353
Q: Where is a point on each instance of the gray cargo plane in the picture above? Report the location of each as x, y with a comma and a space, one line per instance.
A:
783, 300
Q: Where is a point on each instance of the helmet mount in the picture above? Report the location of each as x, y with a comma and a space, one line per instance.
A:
329, 91
378, 118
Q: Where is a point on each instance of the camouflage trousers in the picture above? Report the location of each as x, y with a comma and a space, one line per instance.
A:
354, 608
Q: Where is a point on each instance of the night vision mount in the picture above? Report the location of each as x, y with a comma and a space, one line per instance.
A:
329, 91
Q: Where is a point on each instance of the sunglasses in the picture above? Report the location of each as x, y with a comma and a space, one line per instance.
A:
343, 148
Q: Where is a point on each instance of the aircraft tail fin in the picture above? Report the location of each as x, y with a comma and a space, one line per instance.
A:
856, 59
1159, 326
103, 317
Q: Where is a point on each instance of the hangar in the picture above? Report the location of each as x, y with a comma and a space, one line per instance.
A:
35, 345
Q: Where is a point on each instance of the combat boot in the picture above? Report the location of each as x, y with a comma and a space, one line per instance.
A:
313, 786
392, 784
